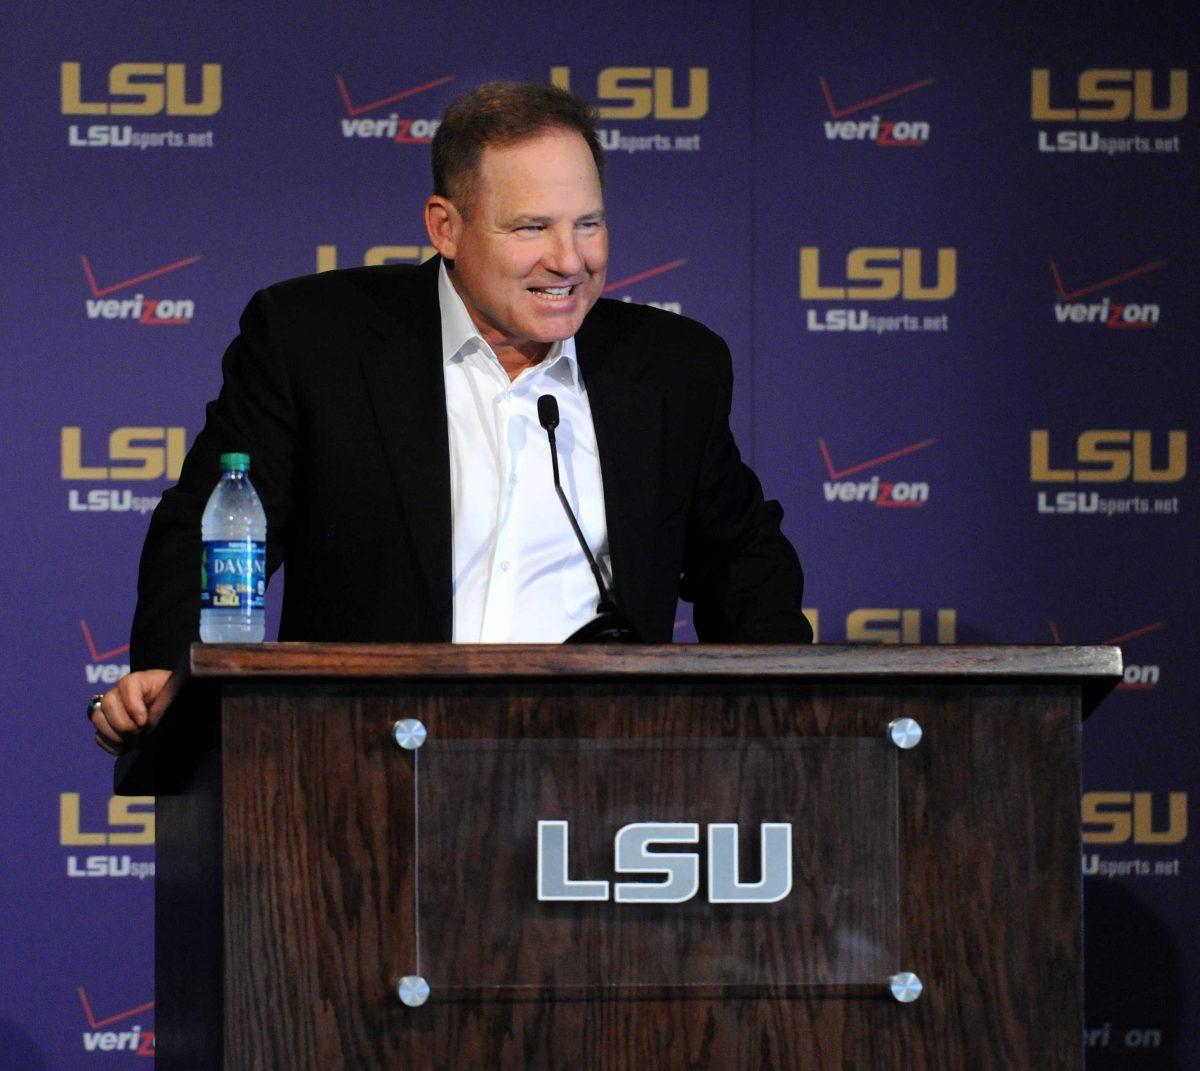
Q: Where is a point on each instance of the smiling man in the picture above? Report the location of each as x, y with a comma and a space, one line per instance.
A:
390, 415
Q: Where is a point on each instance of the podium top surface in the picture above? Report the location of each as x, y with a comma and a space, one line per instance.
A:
1095, 666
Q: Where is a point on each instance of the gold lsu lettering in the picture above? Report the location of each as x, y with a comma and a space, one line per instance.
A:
646, 91
890, 625
879, 273
151, 88
151, 453
125, 813
327, 255
1113, 456
1111, 94
1119, 817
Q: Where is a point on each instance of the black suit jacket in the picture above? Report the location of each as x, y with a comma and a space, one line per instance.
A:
334, 387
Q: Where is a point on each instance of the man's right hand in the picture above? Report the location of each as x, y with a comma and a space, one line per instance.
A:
133, 706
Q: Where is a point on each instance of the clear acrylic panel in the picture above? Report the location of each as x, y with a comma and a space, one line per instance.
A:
742, 863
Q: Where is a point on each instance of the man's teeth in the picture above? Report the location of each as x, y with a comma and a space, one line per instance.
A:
553, 291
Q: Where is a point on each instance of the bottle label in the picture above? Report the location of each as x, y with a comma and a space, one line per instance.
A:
233, 574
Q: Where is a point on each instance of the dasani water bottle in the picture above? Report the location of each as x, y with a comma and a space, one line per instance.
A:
233, 572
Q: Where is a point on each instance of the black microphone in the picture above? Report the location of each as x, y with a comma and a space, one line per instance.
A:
610, 625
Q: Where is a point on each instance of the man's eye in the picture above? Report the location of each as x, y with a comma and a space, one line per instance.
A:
591, 224
534, 227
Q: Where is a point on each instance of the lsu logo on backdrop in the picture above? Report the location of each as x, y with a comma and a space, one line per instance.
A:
170, 90
643, 94
868, 487
875, 129
112, 1032
328, 255
135, 307
134, 453
365, 119
891, 625
1137, 676
1100, 308
127, 822
1108, 456
103, 666
1152, 820
619, 286
877, 274
1108, 95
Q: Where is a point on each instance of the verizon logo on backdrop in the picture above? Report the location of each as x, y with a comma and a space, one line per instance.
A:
125, 300
120, 1031
618, 286
867, 122
1139, 676
868, 487
390, 117
105, 665
1100, 308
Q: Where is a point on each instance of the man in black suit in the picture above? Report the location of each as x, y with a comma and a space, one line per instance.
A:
372, 462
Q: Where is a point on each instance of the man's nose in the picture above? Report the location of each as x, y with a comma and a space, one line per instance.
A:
563, 256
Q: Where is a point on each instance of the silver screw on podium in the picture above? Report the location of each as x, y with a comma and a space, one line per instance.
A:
409, 734
412, 990
905, 732
905, 986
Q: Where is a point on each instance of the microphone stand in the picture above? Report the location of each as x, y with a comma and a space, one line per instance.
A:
610, 625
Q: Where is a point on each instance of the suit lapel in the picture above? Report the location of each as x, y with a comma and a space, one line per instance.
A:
408, 394
628, 418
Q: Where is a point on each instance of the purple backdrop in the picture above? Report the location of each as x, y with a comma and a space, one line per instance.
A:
952, 249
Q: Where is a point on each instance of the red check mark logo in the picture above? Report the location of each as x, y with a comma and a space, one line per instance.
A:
837, 113
96, 1024
838, 474
100, 291
1115, 639
649, 273
353, 109
1071, 295
100, 656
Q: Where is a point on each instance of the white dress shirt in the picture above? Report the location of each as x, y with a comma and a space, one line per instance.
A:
519, 573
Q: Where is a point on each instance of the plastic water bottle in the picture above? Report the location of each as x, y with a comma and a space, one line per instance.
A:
233, 572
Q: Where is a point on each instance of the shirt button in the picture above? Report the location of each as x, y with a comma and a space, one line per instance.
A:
512, 480
504, 567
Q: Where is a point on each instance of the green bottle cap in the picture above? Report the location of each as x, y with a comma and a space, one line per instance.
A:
235, 462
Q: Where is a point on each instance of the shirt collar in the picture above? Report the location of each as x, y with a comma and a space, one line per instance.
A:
460, 336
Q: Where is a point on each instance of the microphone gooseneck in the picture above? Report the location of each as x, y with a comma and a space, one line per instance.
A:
610, 626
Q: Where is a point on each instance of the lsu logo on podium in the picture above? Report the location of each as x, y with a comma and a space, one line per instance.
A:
878, 273
144, 89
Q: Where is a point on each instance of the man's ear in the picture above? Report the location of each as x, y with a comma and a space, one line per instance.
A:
444, 224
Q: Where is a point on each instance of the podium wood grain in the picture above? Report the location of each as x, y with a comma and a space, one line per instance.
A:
292, 849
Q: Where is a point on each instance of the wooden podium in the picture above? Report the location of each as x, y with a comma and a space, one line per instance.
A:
452, 857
